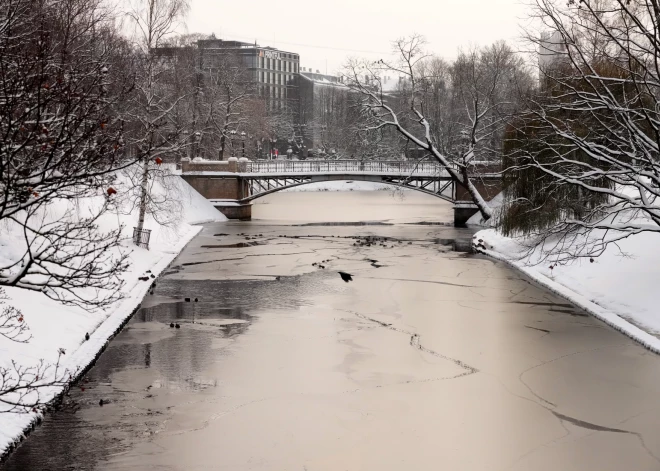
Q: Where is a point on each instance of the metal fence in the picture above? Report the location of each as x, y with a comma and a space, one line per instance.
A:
141, 238
330, 166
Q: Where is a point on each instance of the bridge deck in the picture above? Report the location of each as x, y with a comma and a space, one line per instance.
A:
324, 166
276, 174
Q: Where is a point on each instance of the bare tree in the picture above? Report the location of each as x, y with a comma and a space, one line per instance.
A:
12, 323
61, 142
486, 84
226, 104
156, 133
20, 385
477, 78
587, 151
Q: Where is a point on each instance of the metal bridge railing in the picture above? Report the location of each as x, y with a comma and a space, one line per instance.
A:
329, 166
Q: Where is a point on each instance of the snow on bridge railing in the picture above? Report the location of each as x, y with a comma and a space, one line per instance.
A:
339, 166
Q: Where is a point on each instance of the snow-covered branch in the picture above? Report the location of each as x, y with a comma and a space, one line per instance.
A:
585, 156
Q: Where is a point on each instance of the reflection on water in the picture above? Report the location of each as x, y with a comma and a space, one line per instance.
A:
148, 356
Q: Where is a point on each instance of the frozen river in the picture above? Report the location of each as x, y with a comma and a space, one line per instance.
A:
431, 359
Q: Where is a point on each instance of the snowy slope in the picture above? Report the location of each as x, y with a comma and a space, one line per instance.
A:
620, 286
54, 326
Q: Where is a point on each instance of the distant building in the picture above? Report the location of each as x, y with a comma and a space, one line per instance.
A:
321, 97
552, 49
274, 71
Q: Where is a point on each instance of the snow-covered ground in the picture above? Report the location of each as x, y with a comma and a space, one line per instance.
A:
54, 326
619, 287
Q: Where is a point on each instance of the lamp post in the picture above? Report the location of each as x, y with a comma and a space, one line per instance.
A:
272, 147
243, 140
232, 135
198, 139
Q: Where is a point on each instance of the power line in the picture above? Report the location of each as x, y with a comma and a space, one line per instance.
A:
308, 45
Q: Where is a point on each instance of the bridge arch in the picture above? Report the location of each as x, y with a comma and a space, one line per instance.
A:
261, 187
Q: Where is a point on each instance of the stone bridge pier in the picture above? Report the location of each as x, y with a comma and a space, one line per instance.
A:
213, 180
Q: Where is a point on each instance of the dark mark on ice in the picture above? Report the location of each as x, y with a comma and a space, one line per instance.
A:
430, 223
359, 223
239, 245
374, 263
539, 303
588, 425
457, 245
570, 312
536, 328
423, 281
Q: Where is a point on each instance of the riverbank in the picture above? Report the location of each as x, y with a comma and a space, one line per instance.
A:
54, 326
619, 287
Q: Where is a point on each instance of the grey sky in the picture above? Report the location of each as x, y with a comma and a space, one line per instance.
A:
342, 28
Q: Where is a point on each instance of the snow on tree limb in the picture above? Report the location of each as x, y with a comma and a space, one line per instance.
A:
584, 159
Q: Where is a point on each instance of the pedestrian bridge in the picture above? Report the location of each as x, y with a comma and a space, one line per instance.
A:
232, 185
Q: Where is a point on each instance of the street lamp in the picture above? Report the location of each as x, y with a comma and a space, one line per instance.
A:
243, 139
273, 141
232, 135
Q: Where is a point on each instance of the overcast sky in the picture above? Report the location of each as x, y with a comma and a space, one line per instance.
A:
327, 31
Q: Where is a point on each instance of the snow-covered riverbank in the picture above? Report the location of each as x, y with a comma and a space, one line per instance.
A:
54, 326
619, 287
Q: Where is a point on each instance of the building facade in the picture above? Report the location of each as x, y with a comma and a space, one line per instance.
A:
323, 100
275, 72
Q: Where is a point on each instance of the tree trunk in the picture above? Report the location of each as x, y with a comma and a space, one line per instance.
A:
484, 209
144, 186
221, 152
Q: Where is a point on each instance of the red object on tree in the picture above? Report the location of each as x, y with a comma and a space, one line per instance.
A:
158, 160
111, 191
